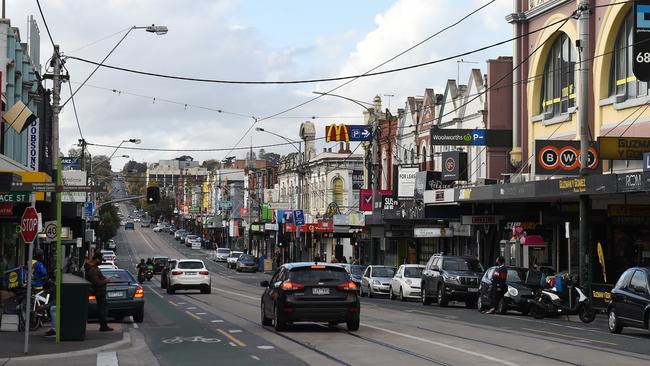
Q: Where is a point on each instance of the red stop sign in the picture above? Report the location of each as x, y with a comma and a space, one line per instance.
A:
29, 224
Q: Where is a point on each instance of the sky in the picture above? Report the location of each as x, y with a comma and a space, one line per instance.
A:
248, 40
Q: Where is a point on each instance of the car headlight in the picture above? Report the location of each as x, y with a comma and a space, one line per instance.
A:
512, 291
451, 278
408, 282
376, 283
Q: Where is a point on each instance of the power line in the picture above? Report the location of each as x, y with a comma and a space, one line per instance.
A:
194, 150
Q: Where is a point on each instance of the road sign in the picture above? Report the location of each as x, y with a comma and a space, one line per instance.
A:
641, 40
360, 133
299, 217
49, 227
14, 197
53, 187
29, 225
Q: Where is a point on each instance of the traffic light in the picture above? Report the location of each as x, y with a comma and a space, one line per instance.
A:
153, 194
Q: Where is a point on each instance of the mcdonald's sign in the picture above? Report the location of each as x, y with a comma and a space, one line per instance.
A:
336, 132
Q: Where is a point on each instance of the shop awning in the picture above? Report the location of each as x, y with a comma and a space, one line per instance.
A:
533, 241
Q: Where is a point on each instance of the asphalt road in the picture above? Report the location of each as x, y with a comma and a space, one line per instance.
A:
225, 326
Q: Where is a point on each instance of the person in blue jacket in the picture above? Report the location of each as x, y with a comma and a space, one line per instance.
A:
39, 272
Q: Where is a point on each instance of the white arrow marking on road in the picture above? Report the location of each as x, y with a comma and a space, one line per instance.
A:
255, 358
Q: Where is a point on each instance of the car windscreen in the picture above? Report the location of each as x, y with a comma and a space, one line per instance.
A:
189, 265
223, 251
516, 275
309, 275
461, 264
235, 254
160, 260
246, 258
383, 272
357, 270
118, 276
413, 272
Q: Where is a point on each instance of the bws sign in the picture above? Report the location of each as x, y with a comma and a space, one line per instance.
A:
562, 157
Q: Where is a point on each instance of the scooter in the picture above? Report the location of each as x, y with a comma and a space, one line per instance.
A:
553, 302
141, 276
149, 274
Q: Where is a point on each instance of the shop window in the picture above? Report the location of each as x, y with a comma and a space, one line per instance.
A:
622, 82
337, 191
558, 94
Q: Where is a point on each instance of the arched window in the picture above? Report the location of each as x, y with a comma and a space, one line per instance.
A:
406, 156
424, 158
622, 82
558, 94
412, 156
337, 191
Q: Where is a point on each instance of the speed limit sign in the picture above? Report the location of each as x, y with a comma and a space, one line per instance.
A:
49, 228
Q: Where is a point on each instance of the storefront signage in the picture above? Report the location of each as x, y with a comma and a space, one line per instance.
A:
562, 157
271, 227
454, 166
341, 220
33, 145
389, 203
440, 196
365, 198
476, 137
279, 205
630, 182
14, 197
406, 181
428, 181
433, 232
460, 229
479, 220
640, 40
623, 148
343, 132
357, 179
74, 178
6, 209
575, 185
628, 210
357, 218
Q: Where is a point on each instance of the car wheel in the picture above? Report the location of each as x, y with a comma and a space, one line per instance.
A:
479, 303
353, 324
613, 323
501, 307
425, 299
391, 296
401, 295
265, 320
442, 297
370, 295
139, 316
278, 322
361, 294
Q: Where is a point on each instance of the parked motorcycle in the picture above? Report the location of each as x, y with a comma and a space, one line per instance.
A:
553, 302
39, 315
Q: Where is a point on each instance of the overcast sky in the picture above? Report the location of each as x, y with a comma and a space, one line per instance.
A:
248, 40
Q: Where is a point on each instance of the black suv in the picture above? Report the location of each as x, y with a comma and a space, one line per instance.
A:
451, 278
630, 305
314, 292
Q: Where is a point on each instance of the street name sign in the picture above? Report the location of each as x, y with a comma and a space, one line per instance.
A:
14, 197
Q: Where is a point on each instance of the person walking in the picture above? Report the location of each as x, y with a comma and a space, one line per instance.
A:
498, 284
98, 283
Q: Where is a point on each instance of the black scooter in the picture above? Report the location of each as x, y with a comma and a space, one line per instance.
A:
553, 302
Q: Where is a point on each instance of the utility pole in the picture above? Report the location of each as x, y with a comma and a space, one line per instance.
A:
583, 114
375, 166
56, 100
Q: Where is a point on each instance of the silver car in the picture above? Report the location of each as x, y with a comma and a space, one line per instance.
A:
376, 280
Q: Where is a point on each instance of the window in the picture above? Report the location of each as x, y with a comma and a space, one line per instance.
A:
558, 94
622, 81
412, 156
624, 279
639, 282
337, 191
424, 159
190, 265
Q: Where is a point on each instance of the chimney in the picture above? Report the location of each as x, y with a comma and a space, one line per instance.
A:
324, 149
347, 148
341, 149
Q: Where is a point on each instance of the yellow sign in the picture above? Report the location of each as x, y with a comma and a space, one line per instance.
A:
575, 184
601, 260
623, 148
336, 132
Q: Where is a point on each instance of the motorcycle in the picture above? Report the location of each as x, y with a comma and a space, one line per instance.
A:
141, 276
149, 274
38, 315
553, 302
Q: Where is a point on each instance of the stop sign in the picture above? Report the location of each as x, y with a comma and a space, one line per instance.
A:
29, 225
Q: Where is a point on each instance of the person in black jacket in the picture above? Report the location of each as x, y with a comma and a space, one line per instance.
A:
499, 286
98, 282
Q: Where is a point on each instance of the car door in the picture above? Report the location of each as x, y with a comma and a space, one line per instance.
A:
270, 293
435, 275
395, 282
426, 274
486, 286
365, 280
637, 297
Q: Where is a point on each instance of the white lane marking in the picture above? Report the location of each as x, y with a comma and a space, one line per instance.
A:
201, 313
154, 291
255, 358
439, 344
181, 303
107, 359
235, 331
146, 240
236, 293
265, 347
217, 321
191, 308
233, 344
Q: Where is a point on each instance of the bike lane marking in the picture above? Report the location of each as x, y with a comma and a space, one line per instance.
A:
192, 315
232, 338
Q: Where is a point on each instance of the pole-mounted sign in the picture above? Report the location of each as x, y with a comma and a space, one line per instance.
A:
29, 225
641, 40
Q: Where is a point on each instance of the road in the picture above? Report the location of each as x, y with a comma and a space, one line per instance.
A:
190, 328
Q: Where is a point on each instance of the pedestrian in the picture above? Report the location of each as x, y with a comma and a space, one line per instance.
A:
498, 284
334, 260
39, 273
50, 289
343, 260
98, 283
355, 261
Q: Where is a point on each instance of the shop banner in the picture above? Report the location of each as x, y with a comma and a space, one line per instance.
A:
558, 157
454, 166
433, 232
357, 179
365, 198
6, 209
406, 181
475, 137
623, 148
630, 182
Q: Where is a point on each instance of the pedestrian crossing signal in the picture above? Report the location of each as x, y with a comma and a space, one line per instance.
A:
153, 194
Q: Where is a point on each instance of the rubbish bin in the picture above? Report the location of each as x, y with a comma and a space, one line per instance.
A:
73, 307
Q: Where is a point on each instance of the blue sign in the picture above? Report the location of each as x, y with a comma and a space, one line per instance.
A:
360, 132
646, 162
71, 163
478, 137
299, 217
89, 209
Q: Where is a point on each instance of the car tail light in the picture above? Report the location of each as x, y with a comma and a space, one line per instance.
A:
205, 273
139, 293
347, 286
292, 286
92, 298
176, 273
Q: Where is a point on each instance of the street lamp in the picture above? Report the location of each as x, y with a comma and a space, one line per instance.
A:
157, 29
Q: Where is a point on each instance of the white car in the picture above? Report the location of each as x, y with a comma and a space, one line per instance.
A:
107, 265
195, 243
188, 274
221, 254
189, 238
406, 282
157, 228
108, 255
232, 259
112, 245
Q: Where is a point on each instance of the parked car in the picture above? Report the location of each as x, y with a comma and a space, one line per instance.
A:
129, 226
355, 271
376, 280
108, 255
517, 294
107, 265
145, 223
158, 228
406, 282
451, 278
630, 304
222, 254
196, 243
246, 262
178, 234
188, 239
189, 274
159, 263
307, 289
232, 258
111, 245
124, 296
165, 272
183, 236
